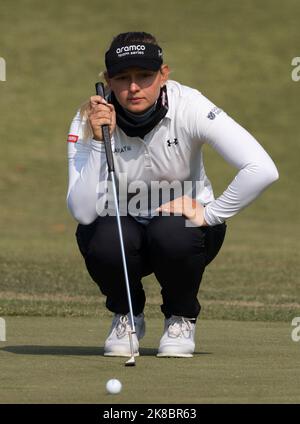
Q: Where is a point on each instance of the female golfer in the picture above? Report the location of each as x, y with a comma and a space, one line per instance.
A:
172, 224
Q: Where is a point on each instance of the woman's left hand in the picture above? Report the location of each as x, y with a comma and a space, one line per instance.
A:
186, 206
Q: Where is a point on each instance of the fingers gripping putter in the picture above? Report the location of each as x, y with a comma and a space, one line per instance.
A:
111, 171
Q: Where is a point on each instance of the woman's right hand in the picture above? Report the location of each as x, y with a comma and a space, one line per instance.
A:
101, 113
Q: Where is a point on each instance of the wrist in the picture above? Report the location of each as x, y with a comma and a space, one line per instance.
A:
97, 139
195, 213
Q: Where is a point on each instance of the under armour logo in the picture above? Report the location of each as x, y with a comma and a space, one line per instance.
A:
172, 142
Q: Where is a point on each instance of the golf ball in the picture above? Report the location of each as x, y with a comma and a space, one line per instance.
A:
113, 386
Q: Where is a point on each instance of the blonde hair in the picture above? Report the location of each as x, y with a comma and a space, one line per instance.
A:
87, 132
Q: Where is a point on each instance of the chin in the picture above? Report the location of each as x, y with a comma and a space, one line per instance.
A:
137, 108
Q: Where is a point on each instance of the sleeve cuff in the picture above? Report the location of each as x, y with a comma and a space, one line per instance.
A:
210, 218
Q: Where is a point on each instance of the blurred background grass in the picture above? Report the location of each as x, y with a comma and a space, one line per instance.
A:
237, 53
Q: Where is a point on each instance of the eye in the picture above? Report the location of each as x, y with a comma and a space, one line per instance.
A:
147, 74
121, 77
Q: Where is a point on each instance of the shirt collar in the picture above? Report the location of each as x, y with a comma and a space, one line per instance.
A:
169, 113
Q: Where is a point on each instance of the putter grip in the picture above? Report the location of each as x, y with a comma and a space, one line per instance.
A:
105, 131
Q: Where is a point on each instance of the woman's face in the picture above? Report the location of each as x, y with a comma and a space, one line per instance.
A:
137, 89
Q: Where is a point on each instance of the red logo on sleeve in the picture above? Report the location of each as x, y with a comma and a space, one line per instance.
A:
72, 138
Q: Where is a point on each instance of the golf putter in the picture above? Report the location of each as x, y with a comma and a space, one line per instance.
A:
111, 170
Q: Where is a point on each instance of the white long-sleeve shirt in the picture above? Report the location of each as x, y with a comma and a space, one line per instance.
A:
172, 151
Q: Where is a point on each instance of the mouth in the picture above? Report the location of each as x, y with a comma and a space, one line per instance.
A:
135, 100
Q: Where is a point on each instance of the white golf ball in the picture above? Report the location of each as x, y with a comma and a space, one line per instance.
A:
113, 386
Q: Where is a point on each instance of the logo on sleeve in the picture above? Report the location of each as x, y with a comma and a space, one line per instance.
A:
72, 138
214, 112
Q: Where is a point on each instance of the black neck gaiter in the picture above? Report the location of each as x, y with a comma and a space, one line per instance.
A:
138, 128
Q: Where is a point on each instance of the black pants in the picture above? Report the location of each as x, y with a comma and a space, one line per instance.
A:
175, 253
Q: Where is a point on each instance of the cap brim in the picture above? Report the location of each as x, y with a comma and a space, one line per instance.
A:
116, 68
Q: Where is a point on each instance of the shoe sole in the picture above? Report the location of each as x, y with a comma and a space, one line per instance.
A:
174, 355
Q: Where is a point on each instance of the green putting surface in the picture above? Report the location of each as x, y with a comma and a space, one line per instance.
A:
60, 360
239, 55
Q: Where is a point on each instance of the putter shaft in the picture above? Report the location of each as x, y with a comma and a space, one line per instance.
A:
110, 163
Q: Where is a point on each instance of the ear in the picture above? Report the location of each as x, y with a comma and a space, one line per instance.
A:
164, 70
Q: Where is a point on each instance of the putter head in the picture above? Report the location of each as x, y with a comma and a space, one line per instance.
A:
130, 362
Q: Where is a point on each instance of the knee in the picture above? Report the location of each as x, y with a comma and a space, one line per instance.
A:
104, 245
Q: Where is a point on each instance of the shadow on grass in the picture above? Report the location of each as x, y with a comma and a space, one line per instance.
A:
72, 350
54, 350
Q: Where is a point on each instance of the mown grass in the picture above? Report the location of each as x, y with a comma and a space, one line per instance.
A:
236, 53
51, 360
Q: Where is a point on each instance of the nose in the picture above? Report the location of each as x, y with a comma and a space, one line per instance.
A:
133, 86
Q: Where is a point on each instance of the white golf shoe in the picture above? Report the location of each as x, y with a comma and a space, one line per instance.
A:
178, 338
117, 342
